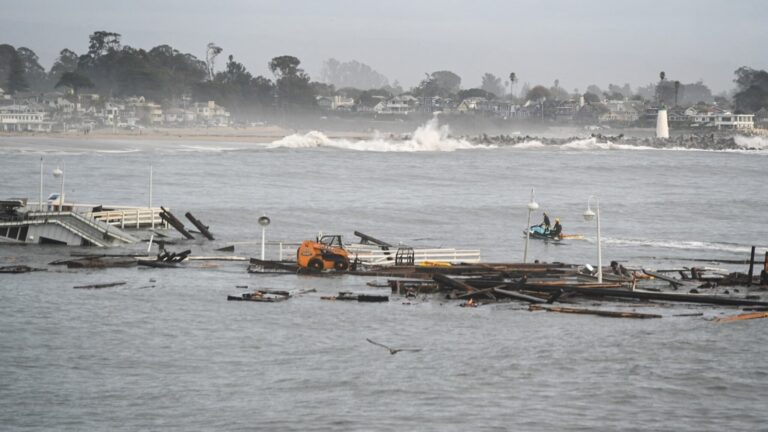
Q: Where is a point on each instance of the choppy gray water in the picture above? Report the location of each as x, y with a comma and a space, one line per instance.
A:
175, 355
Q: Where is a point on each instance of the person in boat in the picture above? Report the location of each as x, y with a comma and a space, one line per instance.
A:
556, 230
545, 224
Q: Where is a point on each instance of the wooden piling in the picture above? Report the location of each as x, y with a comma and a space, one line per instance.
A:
751, 266
199, 225
174, 222
764, 273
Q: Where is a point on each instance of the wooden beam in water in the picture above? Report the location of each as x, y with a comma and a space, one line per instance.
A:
174, 222
742, 317
199, 225
610, 314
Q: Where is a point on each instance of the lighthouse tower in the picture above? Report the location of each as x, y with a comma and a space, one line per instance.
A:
662, 126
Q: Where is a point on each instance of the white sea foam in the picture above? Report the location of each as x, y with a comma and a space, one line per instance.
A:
533, 144
755, 142
430, 137
593, 144
679, 244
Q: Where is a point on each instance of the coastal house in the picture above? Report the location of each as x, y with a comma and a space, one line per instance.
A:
591, 113
324, 102
618, 111
178, 117
496, 108
566, 110
470, 104
211, 114
22, 118
718, 118
402, 105
761, 118
368, 104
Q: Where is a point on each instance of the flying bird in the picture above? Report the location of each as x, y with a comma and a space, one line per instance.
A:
394, 351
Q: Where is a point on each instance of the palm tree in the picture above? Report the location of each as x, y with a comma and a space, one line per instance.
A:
677, 90
662, 75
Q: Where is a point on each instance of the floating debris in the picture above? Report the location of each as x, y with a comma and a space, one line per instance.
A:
365, 298
99, 286
742, 317
19, 269
603, 313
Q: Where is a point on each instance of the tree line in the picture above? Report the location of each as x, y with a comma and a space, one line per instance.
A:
167, 75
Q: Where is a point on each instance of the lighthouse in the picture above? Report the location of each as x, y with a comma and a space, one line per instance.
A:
662, 126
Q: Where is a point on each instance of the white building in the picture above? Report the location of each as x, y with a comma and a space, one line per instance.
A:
723, 120
402, 105
212, 114
21, 118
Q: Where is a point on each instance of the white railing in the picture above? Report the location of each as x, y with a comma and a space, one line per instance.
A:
131, 218
376, 256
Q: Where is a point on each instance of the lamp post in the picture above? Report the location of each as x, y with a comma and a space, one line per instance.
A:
532, 206
59, 173
41, 183
263, 221
588, 216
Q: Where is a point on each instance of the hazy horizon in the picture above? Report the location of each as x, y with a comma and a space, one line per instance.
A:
579, 44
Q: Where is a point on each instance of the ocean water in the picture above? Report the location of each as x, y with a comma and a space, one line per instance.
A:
166, 351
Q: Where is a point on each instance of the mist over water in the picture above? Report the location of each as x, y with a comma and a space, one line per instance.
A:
168, 352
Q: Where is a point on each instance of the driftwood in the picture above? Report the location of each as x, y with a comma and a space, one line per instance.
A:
98, 286
742, 317
611, 314
365, 298
19, 269
102, 262
257, 298
641, 295
518, 296
675, 283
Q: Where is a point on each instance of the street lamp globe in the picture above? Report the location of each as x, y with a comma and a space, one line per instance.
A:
589, 215
533, 206
58, 172
263, 221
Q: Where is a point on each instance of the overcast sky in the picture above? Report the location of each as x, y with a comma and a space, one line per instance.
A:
577, 42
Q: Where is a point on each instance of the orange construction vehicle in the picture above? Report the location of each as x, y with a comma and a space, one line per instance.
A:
325, 253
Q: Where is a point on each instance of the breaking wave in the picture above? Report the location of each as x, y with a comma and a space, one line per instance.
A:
430, 137
534, 144
679, 244
593, 144
755, 142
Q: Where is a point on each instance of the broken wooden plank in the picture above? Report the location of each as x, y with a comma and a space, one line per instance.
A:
98, 286
610, 314
742, 317
674, 282
518, 296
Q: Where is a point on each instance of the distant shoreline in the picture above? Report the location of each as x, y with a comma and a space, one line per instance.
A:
705, 140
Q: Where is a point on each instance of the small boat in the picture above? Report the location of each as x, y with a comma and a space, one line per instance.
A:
540, 233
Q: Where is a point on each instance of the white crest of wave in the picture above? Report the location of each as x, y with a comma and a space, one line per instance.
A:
593, 144
529, 145
308, 140
430, 137
679, 244
755, 142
